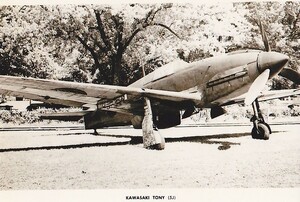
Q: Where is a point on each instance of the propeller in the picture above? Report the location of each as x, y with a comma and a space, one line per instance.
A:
264, 36
287, 73
290, 74
257, 86
260, 82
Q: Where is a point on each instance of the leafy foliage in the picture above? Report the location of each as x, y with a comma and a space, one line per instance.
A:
18, 117
109, 44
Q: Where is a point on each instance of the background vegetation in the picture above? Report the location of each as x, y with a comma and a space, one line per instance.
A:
110, 44
279, 111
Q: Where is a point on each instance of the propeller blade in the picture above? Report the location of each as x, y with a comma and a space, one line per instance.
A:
290, 74
257, 86
264, 36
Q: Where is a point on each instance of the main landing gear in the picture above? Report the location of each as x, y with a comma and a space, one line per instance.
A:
261, 130
151, 137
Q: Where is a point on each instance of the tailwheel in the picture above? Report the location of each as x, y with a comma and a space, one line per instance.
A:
95, 132
262, 131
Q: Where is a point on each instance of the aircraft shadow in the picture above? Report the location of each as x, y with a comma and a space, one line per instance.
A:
73, 146
135, 140
200, 139
206, 139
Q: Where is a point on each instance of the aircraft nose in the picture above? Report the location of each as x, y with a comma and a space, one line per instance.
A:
271, 60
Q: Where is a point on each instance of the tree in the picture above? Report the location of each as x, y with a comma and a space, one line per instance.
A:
109, 44
105, 36
22, 48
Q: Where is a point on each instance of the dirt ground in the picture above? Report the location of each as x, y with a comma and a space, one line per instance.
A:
195, 157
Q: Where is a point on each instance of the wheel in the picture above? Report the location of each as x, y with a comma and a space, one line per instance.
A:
161, 144
262, 132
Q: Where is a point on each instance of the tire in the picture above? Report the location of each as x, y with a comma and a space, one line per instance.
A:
262, 132
159, 146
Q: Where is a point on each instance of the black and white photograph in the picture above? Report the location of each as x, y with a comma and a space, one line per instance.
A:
150, 101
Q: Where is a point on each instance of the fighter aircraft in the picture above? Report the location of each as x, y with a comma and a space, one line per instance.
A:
169, 94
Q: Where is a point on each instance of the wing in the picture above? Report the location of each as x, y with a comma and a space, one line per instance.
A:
264, 96
52, 91
84, 94
80, 94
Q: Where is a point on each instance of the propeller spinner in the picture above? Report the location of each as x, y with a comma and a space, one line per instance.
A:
273, 61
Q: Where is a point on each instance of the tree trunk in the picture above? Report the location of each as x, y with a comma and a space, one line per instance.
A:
116, 68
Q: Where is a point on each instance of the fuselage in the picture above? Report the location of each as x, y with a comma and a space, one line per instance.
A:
214, 79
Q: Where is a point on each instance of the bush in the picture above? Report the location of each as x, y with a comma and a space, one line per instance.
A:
29, 117
19, 117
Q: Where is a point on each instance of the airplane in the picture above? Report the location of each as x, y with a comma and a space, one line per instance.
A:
169, 94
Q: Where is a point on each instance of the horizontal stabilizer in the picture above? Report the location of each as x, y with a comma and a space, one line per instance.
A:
264, 96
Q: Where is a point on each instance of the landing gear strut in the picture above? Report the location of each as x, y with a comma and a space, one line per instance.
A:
151, 137
261, 130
